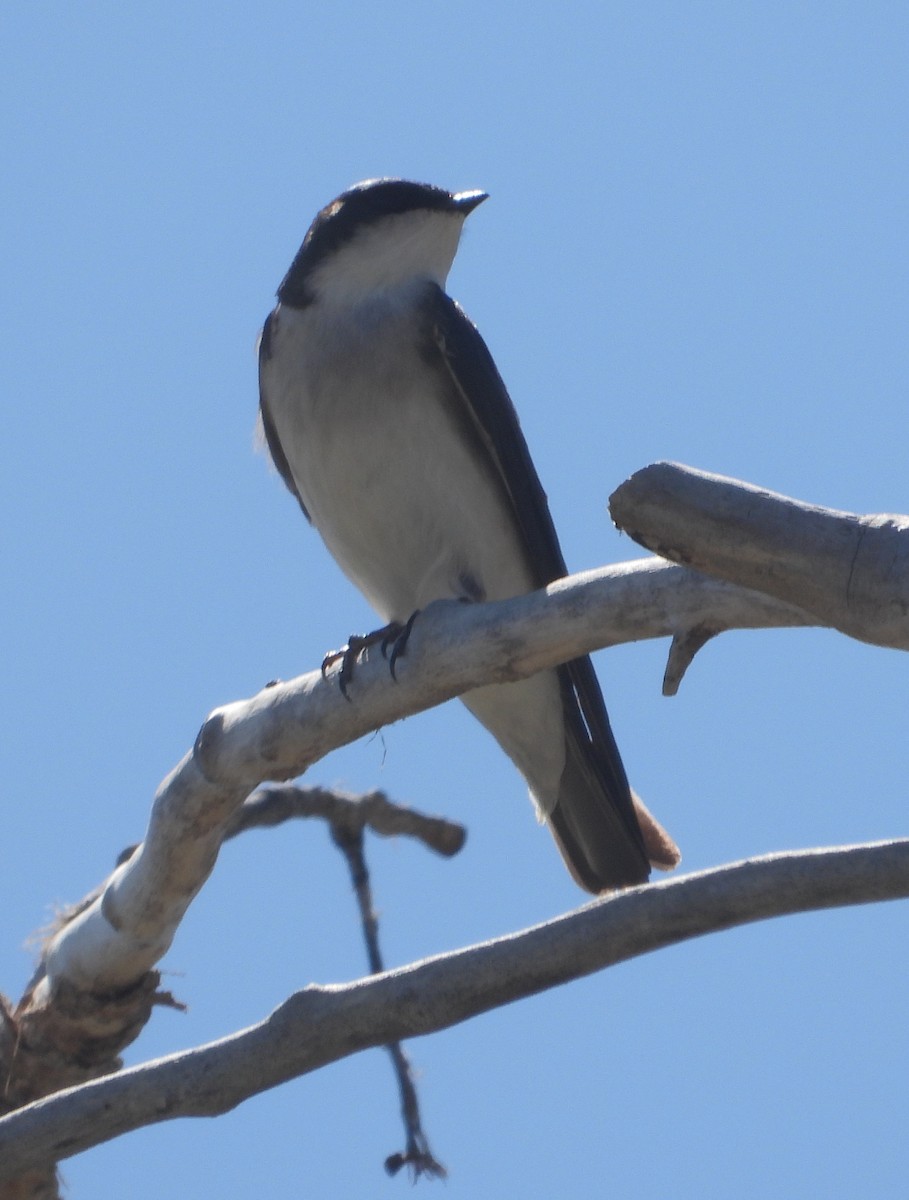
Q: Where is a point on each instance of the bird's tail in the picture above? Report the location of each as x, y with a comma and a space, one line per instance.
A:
600, 845
555, 729
605, 832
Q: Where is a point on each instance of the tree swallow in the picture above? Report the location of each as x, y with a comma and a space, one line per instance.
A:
384, 413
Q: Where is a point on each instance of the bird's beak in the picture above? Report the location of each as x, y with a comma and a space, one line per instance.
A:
466, 202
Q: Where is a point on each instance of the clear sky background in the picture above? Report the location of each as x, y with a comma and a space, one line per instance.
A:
695, 248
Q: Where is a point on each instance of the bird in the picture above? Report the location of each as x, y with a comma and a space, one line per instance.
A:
383, 411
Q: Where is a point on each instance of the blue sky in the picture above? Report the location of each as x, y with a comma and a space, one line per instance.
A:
695, 248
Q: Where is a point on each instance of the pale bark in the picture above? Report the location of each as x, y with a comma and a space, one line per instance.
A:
320, 1025
849, 570
96, 984
282, 731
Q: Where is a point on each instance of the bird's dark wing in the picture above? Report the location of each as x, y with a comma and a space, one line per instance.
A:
275, 449
455, 338
466, 357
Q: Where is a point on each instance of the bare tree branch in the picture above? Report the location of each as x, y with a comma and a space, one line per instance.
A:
850, 571
277, 734
372, 810
323, 1024
96, 984
348, 817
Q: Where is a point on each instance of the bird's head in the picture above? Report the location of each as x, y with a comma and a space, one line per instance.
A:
377, 235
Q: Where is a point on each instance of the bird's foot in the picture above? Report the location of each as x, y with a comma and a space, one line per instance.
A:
394, 635
397, 636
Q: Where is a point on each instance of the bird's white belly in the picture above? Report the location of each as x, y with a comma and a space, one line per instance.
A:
405, 508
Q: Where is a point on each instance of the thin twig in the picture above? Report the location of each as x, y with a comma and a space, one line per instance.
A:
286, 802
417, 1156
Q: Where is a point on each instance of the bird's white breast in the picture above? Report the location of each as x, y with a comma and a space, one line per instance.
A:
398, 494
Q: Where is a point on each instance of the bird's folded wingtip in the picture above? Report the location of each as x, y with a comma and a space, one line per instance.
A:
662, 851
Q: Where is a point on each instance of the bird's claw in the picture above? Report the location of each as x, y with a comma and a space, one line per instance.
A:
347, 656
394, 635
397, 636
